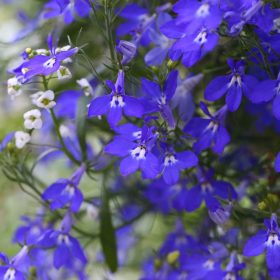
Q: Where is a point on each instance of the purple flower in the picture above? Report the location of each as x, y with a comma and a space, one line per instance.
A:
136, 149
115, 103
157, 99
208, 189
44, 64
234, 84
65, 191
66, 246
267, 90
17, 267
174, 162
67, 8
209, 132
127, 49
268, 240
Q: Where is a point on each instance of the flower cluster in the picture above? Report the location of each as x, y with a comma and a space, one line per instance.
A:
160, 110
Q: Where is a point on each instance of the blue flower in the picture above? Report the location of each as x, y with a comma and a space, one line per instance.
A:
209, 132
207, 190
267, 90
136, 148
174, 162
44, 64
157, 99
234, 84
17, 267
67, 248
115, 103
65, 191
67, 8
268, 240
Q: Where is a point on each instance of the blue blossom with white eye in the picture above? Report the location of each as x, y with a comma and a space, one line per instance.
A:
44, 64
210, 131
234, 84
66, 8
116, 103
157, 99
268, 240
17, 267
65, 191
67, 248
137, 152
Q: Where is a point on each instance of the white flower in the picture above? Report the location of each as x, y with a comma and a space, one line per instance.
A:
21, 138
14, 87
63, 73
32, 119
44, 99
86, 87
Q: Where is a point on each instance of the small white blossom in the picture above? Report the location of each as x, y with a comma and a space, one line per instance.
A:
86, 87
14, 87
32, 119
21, 138
63, 73
44, 99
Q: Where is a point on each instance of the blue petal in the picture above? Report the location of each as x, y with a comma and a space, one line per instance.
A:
171, 174
263, 92
128, 165
233, 98
273, 257
170, 84
151, 89
186, 159
193, 199
54, 190
119, 146
114, 116
276, 107
77, 250
255, 245
133, 107
99, 106
61, 256
277, 163
216, 88
150, 166
221, 139
196, 126
77, 200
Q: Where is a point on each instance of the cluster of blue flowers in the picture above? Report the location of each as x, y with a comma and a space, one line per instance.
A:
177, 115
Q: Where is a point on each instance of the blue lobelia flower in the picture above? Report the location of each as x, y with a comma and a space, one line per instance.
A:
268, 240
209, 132
115, 103
183, 97
174, 162
138, 23
136, 148
157, 99
43, 64
234, 84
161, 43
207, 190
193, 47
17, 267
67, 8
65, 191
267, 90
66, 246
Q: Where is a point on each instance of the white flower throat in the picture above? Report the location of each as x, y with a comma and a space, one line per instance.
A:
117, 101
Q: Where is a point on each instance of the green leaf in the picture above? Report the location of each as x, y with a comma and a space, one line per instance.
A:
107, 235
81, 124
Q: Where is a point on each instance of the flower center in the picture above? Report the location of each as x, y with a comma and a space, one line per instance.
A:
63, 239
229, 276
170, 160
235, 81
117, 101
273, 240
10, 274
209, 264
203, 10
206, 188
49, 63
139, 152
201, 38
